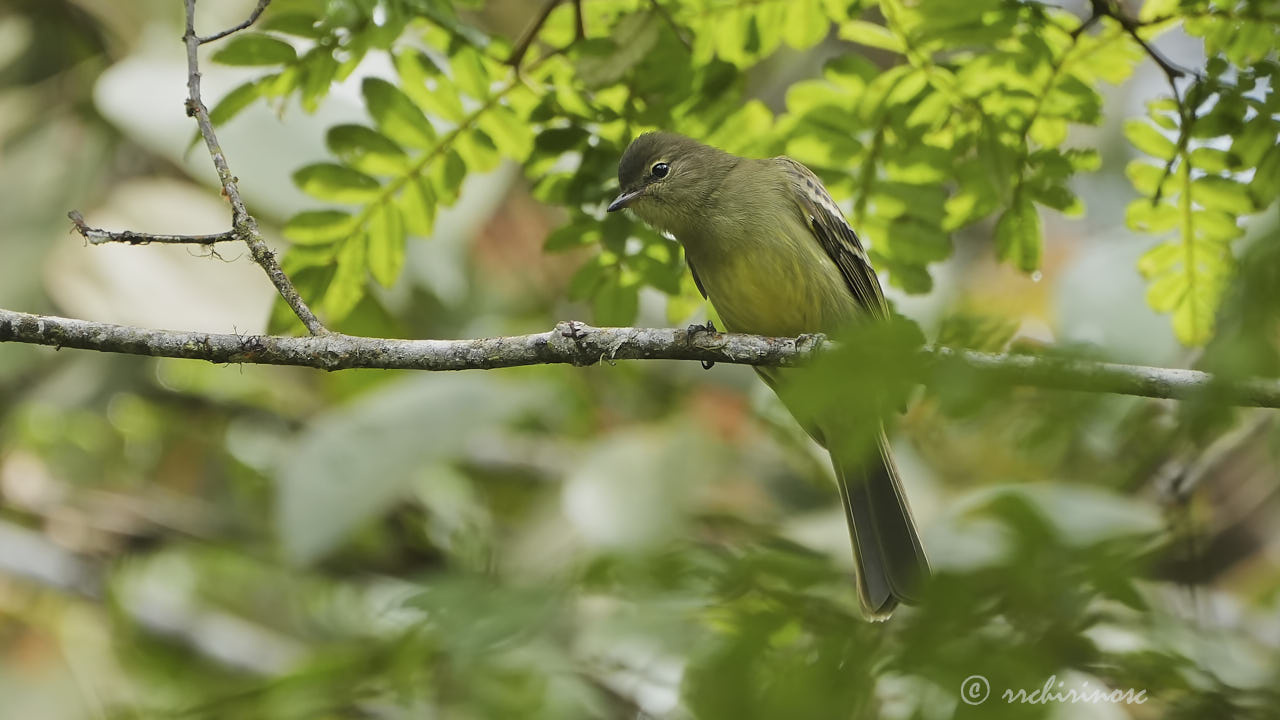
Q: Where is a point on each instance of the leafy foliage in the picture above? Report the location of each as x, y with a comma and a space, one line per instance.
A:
1206, 147
633, 540
965, 124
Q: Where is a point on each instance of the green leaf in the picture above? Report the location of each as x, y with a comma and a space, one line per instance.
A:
347, 286
1146, 178
417, 205
805, 25
1144, 216
336, 183
366, 150
1220, 193
511, 136
554, 141
917, 242
616, 302
1212, 160
1265, 185
234, 102
397, 116
318, 227
1188, 276
319, 71
1058, 197
253, 49
1018, 235
470, 73
573, 235
302, 24
478, 150
447, 175
605, 61
871, 35
587, 278
1073, 100
386, 437
282, 83
386, 243
428, 87
1148, 139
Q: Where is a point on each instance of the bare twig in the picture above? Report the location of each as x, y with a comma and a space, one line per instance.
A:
578, 344
253, 18
531, 33
98, 236
581, 26
243, 224
1087, 23
675, 27
1212, 13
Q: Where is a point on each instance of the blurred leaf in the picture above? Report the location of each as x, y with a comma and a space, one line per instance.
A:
255, 49
469, 73
396, 115
1018, 235
336, 183
386, 243
871, 35
319, 226
234, 102
1149, 140
346, 288
417, 205
366, 150
356, 461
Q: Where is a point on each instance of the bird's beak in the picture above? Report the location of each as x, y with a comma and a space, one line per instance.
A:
624, 199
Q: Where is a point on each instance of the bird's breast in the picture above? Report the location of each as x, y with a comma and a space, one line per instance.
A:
771, 284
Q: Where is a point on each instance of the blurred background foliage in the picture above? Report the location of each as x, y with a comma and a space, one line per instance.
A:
645, 539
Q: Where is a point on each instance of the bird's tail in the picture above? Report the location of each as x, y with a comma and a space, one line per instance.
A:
886, 547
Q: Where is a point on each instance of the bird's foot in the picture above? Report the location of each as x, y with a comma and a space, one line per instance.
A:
709, 328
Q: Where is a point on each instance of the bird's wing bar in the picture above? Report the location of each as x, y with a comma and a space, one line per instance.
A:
836, 237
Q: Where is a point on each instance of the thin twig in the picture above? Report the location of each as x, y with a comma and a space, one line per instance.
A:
243, 224
675, 27
253, 18
1107, 8
1212, 13
531, 33
581, 29
578, 344
98, 236
1087, 23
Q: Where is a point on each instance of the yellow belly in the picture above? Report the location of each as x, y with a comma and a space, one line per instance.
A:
778, 289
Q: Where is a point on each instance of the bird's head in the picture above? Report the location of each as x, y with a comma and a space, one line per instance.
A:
667, 179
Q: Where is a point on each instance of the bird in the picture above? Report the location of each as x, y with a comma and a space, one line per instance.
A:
775, 256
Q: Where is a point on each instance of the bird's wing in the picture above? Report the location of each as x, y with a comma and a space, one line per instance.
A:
836, 236
694, 272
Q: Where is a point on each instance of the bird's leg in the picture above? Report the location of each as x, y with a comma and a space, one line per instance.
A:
709, 328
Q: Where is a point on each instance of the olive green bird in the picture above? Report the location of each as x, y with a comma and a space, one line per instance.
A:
773, 253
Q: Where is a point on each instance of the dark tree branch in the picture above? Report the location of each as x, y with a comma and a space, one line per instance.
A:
578, 344
253, 18
243, 224
580, 27
531, 33
98, 236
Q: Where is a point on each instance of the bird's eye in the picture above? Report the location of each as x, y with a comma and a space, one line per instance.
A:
660, 170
